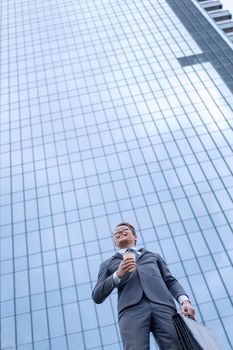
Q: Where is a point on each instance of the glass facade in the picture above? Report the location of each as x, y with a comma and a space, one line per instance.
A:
111, 110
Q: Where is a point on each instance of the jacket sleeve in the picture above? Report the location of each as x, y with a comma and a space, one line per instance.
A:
171, 282
104, 286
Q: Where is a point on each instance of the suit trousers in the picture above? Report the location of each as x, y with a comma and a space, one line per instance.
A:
138, 321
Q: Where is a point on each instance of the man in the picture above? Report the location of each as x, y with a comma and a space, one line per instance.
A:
145, 296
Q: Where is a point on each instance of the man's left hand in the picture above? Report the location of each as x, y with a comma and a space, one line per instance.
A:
188, 310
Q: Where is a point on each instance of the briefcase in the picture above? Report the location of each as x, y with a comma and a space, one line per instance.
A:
193, 335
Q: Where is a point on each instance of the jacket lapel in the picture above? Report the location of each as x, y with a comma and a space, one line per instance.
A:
142, 251
118, 255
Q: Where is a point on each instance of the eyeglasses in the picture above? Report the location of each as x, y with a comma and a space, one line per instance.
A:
120, 229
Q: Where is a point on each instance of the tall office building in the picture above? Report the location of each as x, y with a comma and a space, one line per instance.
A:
111, 110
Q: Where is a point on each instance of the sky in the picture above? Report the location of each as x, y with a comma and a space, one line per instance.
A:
227, 5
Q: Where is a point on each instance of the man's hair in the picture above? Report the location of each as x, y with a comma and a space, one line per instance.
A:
131, 227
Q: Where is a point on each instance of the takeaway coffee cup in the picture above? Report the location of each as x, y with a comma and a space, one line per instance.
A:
128, 255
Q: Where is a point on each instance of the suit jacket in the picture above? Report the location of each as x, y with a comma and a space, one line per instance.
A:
151, 276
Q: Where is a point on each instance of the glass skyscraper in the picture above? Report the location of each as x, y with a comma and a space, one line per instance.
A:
111, 110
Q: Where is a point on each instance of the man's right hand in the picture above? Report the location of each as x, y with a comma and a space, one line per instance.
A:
125, 266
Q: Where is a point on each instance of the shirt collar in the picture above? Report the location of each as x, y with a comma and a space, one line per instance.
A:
123, 250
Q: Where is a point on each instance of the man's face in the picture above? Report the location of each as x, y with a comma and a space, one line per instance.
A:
124, 238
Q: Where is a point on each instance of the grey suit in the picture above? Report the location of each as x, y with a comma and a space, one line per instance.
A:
148, 291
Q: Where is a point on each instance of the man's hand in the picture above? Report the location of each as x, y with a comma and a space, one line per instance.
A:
125, 266
187, 309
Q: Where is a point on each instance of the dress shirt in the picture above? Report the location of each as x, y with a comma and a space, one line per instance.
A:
122, 251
